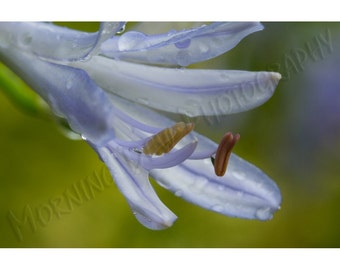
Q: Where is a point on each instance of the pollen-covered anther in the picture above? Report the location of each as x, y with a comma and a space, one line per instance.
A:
223, 152
166, 139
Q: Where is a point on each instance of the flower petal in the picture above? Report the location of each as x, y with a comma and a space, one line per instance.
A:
133, 182
205, 147
179, 47
188, 91
149, 162
54, 42
69, 91
244, 191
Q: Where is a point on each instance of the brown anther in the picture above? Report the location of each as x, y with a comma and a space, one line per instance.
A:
223, 152
166, 139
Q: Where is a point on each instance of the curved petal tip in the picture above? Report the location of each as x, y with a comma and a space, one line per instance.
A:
153, 224
276, 76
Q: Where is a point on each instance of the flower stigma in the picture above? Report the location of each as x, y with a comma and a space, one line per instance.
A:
223, 152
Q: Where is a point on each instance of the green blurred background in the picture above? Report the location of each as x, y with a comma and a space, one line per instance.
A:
46, 198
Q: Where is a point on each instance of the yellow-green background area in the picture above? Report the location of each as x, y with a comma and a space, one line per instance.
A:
72, 202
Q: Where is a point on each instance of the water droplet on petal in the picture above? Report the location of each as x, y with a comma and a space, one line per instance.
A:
69, 84
135, 170
217, 208
172, 32
26, 39
207, 161
164, 185
204, 48
121, 30
183, 58
179, 193
65, 129
200, 183
263, 213
239, 174
183, 44
130, 40
220, 187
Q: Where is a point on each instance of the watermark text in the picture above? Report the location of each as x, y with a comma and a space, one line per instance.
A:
295, 60
32, 218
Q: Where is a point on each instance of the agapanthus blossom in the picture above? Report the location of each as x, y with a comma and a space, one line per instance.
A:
107, 87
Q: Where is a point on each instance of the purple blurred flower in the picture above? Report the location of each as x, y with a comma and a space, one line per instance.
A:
106, 85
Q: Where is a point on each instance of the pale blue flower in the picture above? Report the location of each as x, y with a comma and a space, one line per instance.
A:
106, 86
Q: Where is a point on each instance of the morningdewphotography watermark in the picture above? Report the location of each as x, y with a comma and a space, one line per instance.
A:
31, 218
295, 60
236, 99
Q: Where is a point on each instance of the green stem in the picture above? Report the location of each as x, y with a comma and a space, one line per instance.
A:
22, 95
